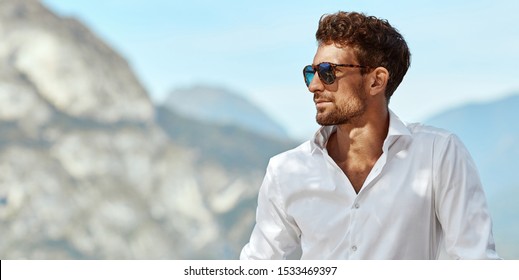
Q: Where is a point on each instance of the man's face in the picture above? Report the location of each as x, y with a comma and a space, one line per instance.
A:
345, 99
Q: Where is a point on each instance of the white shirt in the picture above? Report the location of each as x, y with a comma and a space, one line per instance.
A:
423, 199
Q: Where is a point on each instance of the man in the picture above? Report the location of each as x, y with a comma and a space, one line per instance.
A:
369, 186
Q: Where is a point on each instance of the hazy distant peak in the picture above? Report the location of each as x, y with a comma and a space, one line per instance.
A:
222, 106
490, 131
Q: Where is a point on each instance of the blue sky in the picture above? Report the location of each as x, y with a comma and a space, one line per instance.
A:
462, 51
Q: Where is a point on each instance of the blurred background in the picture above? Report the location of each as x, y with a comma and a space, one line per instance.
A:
142, 129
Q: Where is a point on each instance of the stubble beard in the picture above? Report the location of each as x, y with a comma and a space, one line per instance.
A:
345, 114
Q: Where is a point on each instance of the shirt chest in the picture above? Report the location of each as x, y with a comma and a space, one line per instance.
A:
397, 198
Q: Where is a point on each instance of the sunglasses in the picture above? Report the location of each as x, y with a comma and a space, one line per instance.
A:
326, 72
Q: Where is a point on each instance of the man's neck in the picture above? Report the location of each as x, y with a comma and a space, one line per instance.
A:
356, 146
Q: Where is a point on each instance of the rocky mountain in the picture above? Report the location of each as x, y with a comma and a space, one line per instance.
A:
89, 169
491, 133
230, 146
223, 107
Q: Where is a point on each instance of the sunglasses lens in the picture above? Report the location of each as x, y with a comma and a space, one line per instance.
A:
309, 74
326, 73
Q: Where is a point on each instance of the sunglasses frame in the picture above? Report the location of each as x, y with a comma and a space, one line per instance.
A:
326, 78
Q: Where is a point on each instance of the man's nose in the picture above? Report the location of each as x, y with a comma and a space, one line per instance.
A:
316, 84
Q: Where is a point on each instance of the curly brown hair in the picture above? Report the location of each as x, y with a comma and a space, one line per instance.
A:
375, 42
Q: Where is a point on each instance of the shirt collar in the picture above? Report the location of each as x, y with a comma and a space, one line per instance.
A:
396, 128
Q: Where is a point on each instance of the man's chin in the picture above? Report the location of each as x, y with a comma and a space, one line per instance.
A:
331, 120
323, 120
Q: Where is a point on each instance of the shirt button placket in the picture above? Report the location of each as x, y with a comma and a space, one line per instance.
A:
356, 206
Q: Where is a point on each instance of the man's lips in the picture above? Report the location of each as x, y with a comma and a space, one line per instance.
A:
321, 102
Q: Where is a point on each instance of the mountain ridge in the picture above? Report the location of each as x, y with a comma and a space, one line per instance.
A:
221, 106
488, 131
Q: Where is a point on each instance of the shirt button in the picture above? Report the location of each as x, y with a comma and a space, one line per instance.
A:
357, 206
354, 248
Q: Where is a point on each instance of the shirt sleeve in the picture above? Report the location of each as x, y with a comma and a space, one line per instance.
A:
461, 206
275, 235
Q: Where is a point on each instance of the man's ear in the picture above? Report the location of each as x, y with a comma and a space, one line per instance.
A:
378, 80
